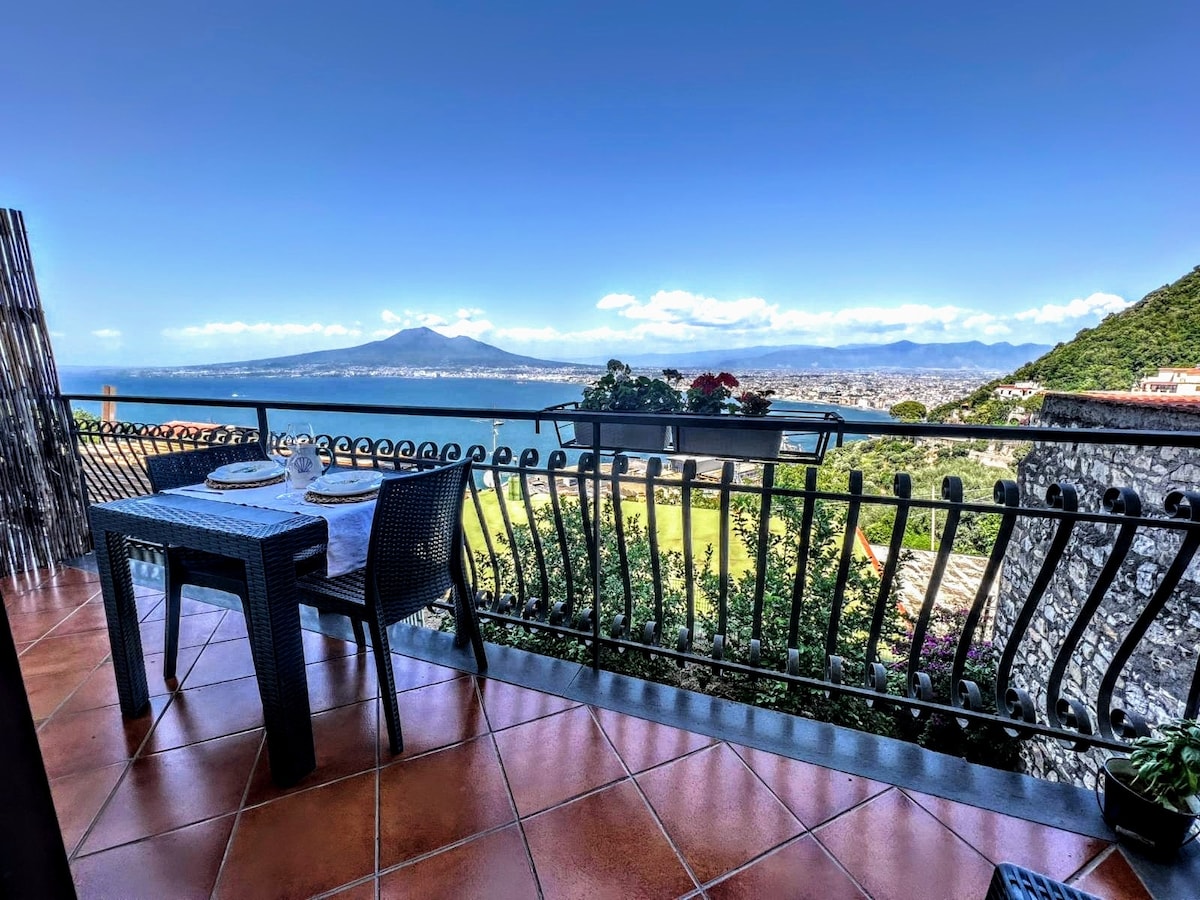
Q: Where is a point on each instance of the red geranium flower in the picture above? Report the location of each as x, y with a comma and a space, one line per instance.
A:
708, 383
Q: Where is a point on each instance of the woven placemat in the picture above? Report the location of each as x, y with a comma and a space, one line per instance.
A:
233, 486
325, 499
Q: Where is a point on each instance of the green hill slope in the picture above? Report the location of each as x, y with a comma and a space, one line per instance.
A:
1161, 329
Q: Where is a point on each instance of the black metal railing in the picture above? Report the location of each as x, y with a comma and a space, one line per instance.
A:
776, 585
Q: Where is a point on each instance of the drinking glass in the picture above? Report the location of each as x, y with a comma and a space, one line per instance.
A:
295, 435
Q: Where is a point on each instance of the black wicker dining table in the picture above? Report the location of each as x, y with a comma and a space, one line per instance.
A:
267, 541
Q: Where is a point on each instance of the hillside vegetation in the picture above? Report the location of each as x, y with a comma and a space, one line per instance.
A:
1161, 329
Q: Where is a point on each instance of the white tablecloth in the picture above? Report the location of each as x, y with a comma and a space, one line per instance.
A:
349, 523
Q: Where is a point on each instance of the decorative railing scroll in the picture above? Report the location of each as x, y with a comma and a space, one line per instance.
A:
541, 578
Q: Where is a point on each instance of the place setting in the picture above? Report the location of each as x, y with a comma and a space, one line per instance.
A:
337, 488
245, 475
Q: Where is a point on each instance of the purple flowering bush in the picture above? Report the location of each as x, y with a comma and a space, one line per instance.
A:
985, 744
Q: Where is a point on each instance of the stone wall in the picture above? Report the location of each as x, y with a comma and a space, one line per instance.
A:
1157, 678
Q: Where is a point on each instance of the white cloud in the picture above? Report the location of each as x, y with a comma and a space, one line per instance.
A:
464, 327
987, 324
544, 334
681, 319
615, 301
684, 316
1098, 305
106, 334
689, 308
261, 330
467, 321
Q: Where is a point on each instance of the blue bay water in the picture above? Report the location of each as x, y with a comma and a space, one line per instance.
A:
447, 391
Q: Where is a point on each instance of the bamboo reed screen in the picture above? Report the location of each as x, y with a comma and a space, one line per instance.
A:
41, 489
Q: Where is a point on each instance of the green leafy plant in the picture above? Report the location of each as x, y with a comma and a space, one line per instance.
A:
928, 463
783, 540
1168, 767
619, 390
87, 426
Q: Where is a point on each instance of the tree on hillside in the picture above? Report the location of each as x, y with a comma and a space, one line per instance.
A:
1160, 330
909, 411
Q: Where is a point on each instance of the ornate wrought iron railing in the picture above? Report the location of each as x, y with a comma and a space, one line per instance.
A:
572, 546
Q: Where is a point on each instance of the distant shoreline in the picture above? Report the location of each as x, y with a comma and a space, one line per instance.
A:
878, 390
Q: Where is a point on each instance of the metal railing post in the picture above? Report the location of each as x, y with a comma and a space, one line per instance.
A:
597, 576
264, 428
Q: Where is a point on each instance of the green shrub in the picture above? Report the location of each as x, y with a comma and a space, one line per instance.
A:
859, 598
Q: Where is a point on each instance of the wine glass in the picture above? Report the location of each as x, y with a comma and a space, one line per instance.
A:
298, 462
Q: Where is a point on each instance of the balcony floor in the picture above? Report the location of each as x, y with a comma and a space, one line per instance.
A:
503, 791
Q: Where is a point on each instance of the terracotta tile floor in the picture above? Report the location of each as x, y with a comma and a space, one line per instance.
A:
502, 791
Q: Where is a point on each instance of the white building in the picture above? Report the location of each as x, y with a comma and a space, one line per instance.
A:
1171, 381
1018, 391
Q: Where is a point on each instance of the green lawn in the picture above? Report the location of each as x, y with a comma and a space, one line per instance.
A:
705, 524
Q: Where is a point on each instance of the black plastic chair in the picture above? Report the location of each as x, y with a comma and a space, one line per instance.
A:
185, 566
414, 558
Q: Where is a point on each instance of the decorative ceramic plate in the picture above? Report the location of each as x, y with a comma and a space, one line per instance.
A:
346, 484
240, 473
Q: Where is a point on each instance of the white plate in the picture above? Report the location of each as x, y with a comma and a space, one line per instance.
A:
255, 470
346, 484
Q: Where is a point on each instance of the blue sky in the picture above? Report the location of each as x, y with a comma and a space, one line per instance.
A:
219, 181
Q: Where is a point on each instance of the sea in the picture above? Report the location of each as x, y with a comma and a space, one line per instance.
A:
495, 393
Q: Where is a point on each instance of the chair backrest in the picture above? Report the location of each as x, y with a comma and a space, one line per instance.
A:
172, 470
416, 547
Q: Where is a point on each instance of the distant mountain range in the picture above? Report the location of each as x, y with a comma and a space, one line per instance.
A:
901, 355
425, 348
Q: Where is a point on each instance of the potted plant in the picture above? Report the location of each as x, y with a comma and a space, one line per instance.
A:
619, 390
1153, 794
712, 395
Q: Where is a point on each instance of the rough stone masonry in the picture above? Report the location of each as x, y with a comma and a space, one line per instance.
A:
1158, 676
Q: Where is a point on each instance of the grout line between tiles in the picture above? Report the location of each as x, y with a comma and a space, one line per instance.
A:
73, 853
453, 845
964, 839
262, 748
1091, 865
121, 780
582, 794
858, 805
45, 634
67, 699
725, 876
1085, 869
128, 762
378, 795
349, 885
512, 800
575, 705
149, 837
646, 800
816, 832
807, 832
146, 837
